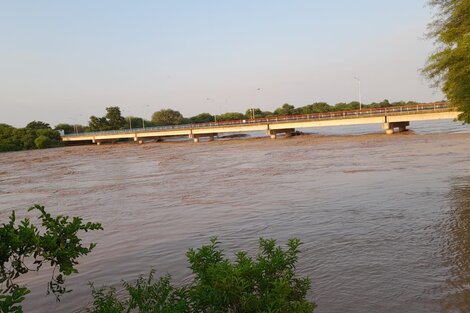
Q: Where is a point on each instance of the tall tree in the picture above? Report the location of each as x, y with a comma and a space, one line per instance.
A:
114, 117
167, 117
112, 120
449, 66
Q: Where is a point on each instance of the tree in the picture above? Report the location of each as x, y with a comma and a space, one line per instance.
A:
202, 118
230, 116
67, 128
112, 120
167, 117
43, 142
317, 107
286, 109
449, 66
137, 122
254, 113
114, 117
98, 123
47, 138
37, 125
24, 247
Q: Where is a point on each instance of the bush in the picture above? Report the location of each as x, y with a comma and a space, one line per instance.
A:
22, 243
265, 284
43, 142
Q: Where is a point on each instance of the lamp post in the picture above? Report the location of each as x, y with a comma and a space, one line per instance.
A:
360, 96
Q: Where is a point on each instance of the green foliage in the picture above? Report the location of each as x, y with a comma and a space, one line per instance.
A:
449, 66
112, 120
11, 303
23, 243
266, 283
43, 142
13, 139
146, 295
137, 122
167, 117
286, 109
105, 300
317, 107
254, 113
202, 118
229, 116
68, 128
37, 125
347, 106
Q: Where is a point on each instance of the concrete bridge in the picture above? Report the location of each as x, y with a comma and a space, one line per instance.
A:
390, 118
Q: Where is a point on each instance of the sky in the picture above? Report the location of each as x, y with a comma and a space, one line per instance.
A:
63, 61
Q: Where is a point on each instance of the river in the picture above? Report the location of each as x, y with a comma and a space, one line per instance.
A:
385, 220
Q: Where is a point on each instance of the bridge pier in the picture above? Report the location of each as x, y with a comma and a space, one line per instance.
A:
274, 132
197, 137
390, 126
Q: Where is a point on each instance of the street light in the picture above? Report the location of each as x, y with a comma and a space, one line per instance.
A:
129, 118
215, 115
360, 96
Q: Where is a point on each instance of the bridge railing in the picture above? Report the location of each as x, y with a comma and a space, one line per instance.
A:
369, 112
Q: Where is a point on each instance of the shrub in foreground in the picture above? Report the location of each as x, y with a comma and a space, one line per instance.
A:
266, 283
24, 247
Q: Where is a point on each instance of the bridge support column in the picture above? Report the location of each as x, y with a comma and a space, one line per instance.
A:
389, 127
197, 137
274, 132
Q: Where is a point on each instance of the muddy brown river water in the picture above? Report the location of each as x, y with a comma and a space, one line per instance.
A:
385, 220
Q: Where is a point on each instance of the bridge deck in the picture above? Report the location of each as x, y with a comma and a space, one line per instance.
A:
429, 111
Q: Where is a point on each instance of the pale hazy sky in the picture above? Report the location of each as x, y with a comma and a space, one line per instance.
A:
62, 61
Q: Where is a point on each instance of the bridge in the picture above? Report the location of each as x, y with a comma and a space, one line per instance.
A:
391, 119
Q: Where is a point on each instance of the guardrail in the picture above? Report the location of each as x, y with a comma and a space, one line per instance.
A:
369, 112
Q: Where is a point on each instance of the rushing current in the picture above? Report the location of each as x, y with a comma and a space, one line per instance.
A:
385, 220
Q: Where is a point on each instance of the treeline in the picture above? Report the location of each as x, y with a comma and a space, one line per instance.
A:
113, 119
36, 135
39, 135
